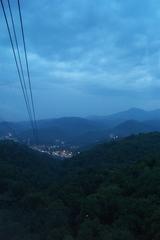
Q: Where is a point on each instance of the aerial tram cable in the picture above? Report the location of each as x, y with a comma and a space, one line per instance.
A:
17, 66
18, 52
22, 70
27, 66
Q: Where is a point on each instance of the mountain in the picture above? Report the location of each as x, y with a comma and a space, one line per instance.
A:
15, 128
122, 151
81, 132
154, 124
64, 129
71, 130
131, 114
71, 125
133, 127
108, 192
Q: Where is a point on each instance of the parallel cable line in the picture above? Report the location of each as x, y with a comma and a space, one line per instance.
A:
21, 67
27, 64
18, 52
17, 66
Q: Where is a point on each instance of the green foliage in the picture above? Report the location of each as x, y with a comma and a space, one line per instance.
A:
109, 193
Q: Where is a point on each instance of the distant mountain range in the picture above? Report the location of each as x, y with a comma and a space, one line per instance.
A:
84, 132
131, 114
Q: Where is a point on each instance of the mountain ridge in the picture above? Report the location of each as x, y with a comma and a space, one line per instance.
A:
84, 131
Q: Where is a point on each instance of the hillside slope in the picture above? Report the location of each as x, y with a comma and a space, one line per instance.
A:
83, 133
130, 127
110, 192
136, 114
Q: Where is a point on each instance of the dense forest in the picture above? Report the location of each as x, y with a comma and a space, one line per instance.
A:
111, 192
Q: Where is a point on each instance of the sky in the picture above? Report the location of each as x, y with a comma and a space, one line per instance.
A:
88, 57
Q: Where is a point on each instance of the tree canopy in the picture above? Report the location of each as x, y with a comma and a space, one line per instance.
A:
109, 192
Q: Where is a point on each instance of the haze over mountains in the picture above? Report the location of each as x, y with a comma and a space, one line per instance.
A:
131, 114
87, 131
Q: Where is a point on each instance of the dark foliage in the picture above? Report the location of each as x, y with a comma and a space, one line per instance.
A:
109, 193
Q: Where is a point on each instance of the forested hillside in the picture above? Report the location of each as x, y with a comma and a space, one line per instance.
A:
81, 133
111, 192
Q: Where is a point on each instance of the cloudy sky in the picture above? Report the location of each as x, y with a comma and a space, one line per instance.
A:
88, 57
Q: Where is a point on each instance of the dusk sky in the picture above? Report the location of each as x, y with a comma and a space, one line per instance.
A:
88, 57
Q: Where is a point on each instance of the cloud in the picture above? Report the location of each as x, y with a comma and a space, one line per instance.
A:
99, 48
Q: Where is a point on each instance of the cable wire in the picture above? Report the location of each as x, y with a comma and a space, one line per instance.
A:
27, 64
17, 66
18, 52
21, 67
